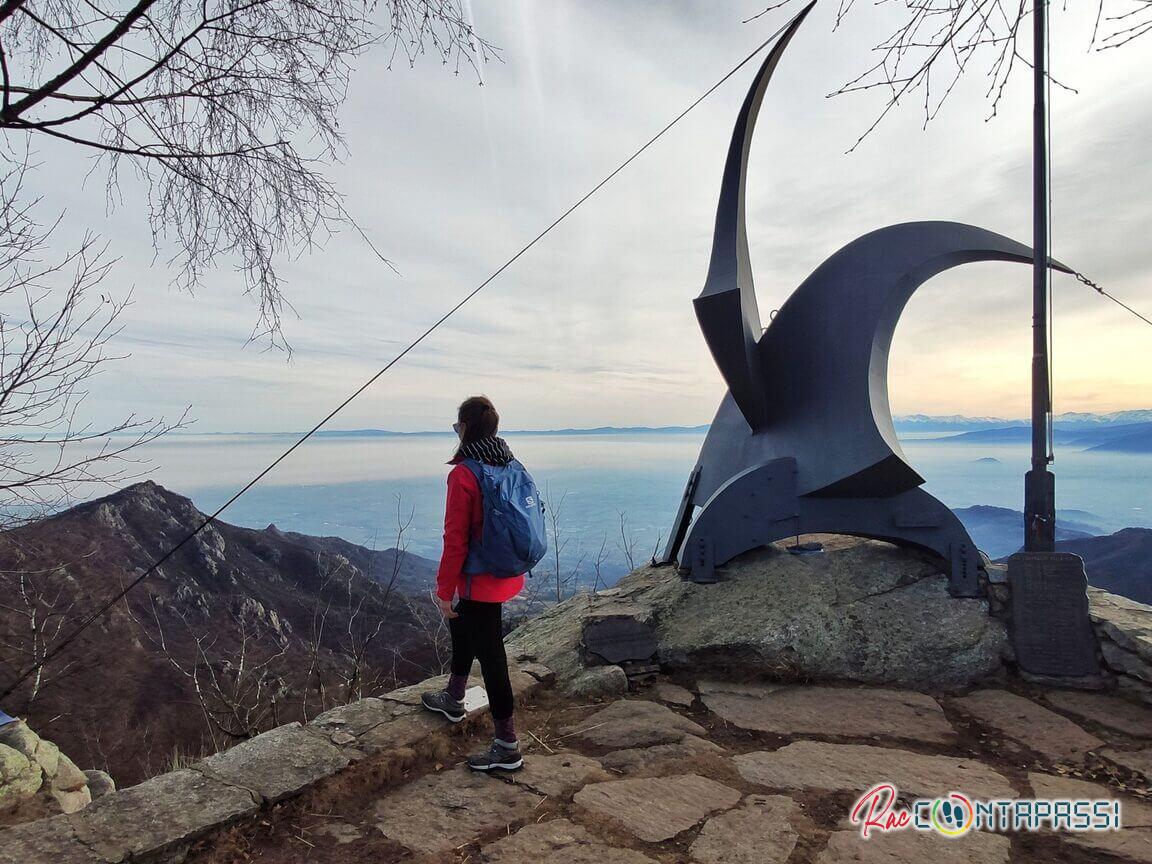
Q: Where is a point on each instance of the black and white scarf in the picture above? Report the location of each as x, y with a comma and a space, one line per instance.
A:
492, 450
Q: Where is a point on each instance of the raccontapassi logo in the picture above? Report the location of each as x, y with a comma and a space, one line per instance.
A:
955, 814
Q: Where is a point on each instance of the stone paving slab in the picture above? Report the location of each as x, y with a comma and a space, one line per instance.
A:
915, 847
1033, 725
557, 842
657, 808
673, 694
45, 841
160, 814
859, 767
759, 832
708, 686
1137, 761
1134, 813
847, 712
405, 731
663, 758
439, 812
1133, 844
278, 763
1114, 712
560, 774
633, 723
358, 717
1133, 841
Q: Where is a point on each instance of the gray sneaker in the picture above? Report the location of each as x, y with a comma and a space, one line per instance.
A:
442, 703
501, 756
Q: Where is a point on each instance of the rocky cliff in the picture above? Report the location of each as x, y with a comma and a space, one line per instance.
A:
861, 611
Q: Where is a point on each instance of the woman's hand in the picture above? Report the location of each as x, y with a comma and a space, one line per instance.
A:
445, 607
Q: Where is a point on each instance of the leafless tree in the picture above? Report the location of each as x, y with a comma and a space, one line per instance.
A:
598, 563
435, 639
627, 542
238, 687
54, 339
36, 610
558, 544
936, 41
227, 109
562, 578
359, 602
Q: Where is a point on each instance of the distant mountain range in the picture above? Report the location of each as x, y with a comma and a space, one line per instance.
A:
387, 433
1068, 422
1120, 431
1116, 438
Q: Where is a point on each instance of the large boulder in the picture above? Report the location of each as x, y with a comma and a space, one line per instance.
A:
862, 611
36, 779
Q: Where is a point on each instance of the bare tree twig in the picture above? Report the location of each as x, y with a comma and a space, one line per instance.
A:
226, 108
937, 41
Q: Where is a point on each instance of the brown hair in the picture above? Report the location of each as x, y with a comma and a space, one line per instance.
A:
479, 417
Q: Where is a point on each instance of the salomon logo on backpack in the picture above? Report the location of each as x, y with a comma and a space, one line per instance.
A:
514, 539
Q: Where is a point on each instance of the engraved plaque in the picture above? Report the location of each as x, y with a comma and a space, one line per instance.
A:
1051, 630
619, 638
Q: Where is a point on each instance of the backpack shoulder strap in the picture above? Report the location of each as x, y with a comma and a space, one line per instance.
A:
476, 469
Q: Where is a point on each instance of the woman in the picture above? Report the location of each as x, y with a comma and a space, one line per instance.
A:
475, 621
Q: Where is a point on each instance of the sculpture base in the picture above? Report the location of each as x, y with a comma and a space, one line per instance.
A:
760, 506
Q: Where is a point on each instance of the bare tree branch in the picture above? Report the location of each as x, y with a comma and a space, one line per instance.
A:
54, 339
226, 108
937, 41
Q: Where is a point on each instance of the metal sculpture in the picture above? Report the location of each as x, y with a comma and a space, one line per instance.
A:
803, 441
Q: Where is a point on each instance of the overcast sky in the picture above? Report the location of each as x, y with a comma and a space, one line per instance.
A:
595, 326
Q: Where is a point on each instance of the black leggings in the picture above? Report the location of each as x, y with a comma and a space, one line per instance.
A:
478, 634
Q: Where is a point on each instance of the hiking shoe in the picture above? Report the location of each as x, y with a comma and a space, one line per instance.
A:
442, 703
501, 756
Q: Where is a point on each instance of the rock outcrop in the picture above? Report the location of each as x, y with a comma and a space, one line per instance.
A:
863, 611
37, 780
1124, 628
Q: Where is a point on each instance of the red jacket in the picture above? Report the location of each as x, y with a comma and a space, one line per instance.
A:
464, 519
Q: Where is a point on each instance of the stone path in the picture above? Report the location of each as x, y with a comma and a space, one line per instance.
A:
707, 772
856, 712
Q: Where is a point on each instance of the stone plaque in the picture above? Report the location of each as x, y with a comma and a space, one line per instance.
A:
619, 638
1051, 630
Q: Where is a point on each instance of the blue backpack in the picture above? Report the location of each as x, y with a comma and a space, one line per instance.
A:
514, 538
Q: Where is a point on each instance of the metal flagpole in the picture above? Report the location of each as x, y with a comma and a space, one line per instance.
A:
1039, 483
1051, 629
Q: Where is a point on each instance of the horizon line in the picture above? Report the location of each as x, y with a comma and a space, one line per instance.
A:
916, 417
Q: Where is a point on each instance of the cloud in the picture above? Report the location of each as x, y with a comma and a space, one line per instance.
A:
595, 325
